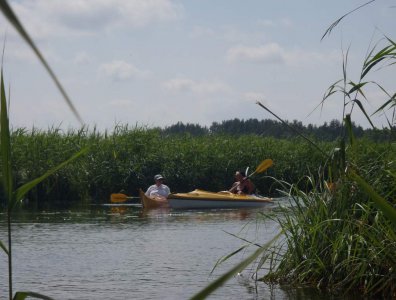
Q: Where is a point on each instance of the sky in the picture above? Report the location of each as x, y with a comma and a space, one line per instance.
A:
158, 62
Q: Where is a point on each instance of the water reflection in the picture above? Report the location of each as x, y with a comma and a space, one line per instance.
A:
124, 252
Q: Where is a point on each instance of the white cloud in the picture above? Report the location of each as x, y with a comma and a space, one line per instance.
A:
121, 70
176, 49
273, 53
266, 23
200, 31
253, 97
270, 53
284, 22
24, 54
120, 103
189, 85
298, 57
82, 58
46, 18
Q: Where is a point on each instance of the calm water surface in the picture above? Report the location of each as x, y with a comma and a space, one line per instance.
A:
109, 252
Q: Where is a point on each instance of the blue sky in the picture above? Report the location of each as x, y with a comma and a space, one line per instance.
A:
158, 62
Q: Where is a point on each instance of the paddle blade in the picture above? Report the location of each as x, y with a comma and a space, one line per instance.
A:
264, 165
116, 198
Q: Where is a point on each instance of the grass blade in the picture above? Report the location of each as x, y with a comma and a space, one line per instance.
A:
5, 142
380, 202
387, 52
357, 87
2, 246
334, 24
348, 124
21, 191
239, 267
24, 295
391, 102
223, 259
292, 128
13, 19
363, 111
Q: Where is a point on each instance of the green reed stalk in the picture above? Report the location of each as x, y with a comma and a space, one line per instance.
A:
14, 196
13, 19
341, 234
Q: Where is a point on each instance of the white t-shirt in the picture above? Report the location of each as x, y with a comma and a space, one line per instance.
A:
155, 190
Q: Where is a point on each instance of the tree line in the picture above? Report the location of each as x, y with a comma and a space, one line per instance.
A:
329, 131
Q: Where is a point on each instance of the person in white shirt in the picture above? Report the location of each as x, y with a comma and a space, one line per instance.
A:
159, 189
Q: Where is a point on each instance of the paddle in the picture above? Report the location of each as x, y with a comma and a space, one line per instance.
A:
115, 198
264, 165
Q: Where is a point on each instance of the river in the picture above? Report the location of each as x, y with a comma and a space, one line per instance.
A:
123, 252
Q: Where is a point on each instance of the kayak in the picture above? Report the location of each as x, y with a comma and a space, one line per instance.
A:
204, 199
152, 202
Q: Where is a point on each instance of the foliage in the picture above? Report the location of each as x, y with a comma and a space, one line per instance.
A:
329, 131
128, 158
341, 235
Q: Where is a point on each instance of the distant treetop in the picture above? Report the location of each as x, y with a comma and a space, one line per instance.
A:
272, 128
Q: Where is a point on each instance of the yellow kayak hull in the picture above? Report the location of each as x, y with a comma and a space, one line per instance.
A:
204, 199
148, 202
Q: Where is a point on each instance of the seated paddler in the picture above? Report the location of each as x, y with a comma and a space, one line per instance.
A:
242, 184
158, 189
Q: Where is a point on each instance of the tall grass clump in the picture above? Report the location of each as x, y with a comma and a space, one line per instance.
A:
336, 240
341, 235
127, 158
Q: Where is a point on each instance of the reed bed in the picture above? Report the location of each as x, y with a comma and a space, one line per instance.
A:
337, 237
127, 159
339, 234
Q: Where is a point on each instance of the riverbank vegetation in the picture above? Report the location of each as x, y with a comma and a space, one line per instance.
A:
128, 158
340, 235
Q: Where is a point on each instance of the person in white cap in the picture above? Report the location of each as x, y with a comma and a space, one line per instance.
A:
159, 189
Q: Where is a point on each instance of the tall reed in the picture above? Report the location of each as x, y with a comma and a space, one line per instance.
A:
127, 159
340, 235
15, 191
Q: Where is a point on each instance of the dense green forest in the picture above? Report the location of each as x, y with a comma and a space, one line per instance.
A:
272, 128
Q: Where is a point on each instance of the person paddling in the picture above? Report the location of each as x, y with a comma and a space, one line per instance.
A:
242, 184
159, 189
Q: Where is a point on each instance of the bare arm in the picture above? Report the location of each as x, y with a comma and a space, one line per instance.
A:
234, 187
